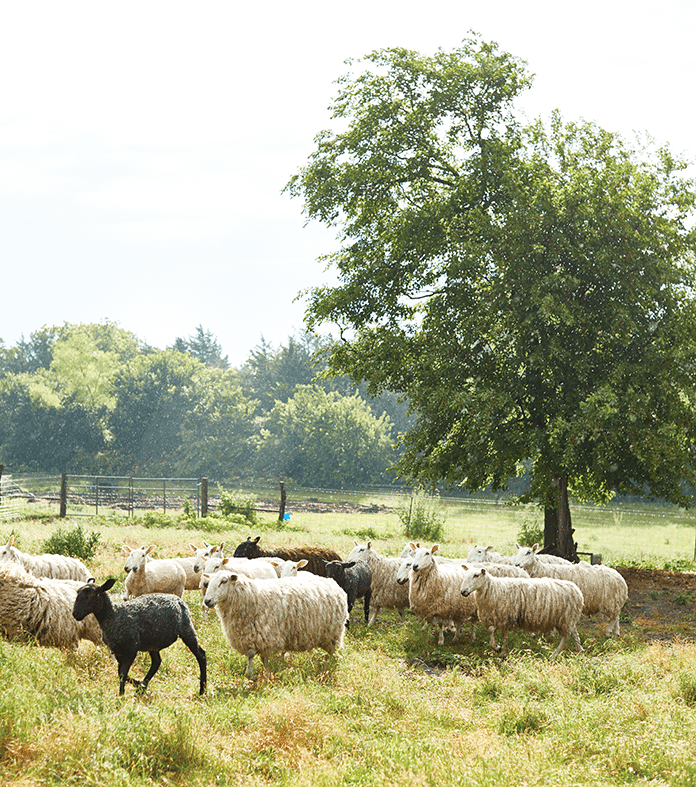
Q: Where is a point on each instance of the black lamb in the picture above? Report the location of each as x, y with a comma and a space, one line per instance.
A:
355, 577
315, 556
148, 623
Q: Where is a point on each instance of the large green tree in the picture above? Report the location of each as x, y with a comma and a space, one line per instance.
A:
528, 289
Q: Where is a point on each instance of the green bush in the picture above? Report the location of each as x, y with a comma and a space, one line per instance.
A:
421, 518
238, 505
73, 543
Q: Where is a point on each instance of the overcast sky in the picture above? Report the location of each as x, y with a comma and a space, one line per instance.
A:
144, 145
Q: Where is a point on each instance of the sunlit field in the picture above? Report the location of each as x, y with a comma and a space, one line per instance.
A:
392, 708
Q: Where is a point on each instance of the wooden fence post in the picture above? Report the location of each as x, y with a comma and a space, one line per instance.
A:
204, 497
283, 496
63, 495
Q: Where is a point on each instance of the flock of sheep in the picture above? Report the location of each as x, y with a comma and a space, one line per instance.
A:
296, 599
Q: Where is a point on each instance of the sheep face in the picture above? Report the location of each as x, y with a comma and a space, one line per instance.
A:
289, 568
404, 569
249, 548
217, 586
8, 552
473, 580
137, 558
424, 558
525, 556
337, 571
359, 551
90, 598
478, 554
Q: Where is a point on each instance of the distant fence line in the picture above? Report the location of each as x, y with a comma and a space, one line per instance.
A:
108, 495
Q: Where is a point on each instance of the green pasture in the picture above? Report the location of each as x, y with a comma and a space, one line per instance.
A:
392, 708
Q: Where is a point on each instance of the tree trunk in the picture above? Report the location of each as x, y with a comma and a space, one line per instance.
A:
565, 546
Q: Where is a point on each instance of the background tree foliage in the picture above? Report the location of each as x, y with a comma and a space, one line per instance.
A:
94, 399
529, 290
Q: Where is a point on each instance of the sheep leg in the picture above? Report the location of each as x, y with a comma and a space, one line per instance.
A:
124, 664
374, 611
441, 636
155, 662
576, 639
368, 596
491, 630
191, 641
249, 672
561, 646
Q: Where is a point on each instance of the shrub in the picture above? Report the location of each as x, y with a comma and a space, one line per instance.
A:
421, 519
238, 505
73, 543
531, 532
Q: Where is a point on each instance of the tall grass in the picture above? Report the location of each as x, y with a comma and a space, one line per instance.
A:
393, 708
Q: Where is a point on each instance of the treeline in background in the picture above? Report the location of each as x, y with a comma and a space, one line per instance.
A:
95, 399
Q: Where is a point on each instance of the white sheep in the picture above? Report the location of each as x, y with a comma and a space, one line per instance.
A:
604, 590
273, 616
52, 566
435, 593
191, 564
538, 606
256, 568
386, 592
145, 575
285, 568
479, 554
215, 551
41, 608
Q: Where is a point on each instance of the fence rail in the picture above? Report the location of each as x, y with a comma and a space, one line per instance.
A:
89, 495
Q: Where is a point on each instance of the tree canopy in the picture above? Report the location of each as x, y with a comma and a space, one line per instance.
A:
528, 288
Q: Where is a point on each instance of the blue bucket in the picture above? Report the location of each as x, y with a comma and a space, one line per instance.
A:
286, 516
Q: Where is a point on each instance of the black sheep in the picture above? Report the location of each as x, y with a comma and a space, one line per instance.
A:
148, 623
315, 556
355, 577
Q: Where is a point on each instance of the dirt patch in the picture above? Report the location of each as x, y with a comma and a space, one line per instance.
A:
661, 604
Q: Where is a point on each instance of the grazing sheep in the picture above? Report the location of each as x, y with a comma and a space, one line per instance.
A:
538, 606
386, 592
273, 616
285, 568
148, 624
256, 569
314, 555
355, 578
145, 575
478, 554
189, 564
40, 608
52, 566
435, 593
214, 551
604, 590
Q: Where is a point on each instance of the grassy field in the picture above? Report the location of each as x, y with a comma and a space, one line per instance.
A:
393, 708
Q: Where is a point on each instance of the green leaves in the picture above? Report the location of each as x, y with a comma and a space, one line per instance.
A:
526, 289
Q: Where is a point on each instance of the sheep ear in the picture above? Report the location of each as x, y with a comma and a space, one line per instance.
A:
225, 561
257, 539
489, 548
435, 548
221, 546
10, 541
535, 548
350, 565
151, 548
107, 585
126, 550
302, 563
483, 571
465, 567
195, 549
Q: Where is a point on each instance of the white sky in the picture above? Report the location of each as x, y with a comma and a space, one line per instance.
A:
144, 145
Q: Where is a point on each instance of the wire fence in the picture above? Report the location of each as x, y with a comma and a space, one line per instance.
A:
619, 530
